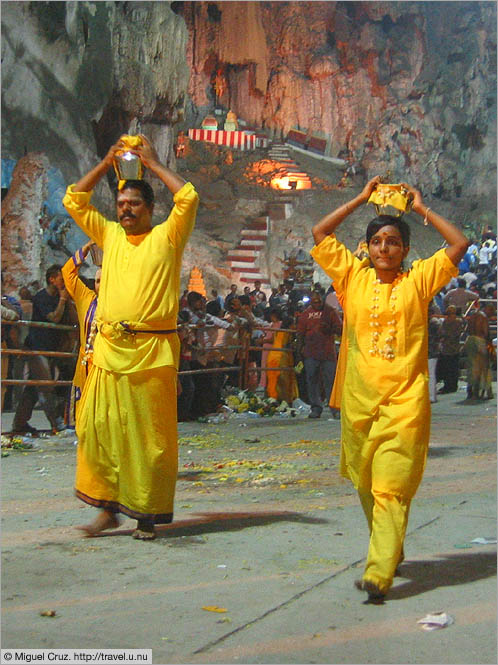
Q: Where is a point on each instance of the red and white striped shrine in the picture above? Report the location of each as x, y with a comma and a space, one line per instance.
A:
237, 139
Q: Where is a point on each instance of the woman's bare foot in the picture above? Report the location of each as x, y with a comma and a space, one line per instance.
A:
144, 531
104, 520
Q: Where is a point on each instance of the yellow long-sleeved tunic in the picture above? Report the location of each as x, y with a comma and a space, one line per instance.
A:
140, 283
385, 407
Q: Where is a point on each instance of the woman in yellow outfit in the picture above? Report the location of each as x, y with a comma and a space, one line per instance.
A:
381, 385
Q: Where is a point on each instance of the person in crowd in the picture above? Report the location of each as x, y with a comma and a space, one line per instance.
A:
448, 365
215, 296
183, 300
9, 313
477, 356
17, 339
331, 300
251, 334
207, 396
434, 337
382, 377
460, 297
470, 279
257, 293
231, 294
127, 455
85, 300
487, 255
281, 382
283, 294
274, 299
187, 386
213, 307
247, 293
12, 338
230, 337
50, 305
488, 234
275, 322
316, 328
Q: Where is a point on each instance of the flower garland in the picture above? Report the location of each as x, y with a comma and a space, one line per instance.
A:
387, 351
89, 344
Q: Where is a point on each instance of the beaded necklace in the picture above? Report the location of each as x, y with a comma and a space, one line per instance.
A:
387, 351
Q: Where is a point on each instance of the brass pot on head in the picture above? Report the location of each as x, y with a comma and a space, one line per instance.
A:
127, 165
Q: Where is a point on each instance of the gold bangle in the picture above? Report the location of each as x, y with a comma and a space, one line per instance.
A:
426, 220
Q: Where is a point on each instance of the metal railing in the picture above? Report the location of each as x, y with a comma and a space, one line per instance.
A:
243, 349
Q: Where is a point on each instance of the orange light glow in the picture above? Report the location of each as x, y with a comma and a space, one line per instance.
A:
269, 173
290, 182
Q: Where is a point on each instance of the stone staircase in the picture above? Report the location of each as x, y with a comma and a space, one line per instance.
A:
279, 152
246, 258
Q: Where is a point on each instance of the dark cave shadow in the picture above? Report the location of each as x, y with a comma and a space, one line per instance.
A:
450, 570
219, 522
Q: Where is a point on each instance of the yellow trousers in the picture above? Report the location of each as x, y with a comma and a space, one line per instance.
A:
127, 456
387, 517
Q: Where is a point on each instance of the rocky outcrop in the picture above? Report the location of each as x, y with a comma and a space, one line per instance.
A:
76, 75
22, 208
404, 87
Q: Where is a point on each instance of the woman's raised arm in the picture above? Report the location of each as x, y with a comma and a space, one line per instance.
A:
457, 242
330, 222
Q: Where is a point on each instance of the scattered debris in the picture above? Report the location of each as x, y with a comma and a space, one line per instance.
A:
484, 541
48, 613
214, 608
436, 621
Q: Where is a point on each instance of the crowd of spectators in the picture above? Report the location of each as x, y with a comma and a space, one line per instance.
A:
216, 331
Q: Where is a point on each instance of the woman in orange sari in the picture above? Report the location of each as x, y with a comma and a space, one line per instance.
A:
282, 385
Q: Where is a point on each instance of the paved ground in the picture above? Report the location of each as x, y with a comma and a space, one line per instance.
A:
267, 530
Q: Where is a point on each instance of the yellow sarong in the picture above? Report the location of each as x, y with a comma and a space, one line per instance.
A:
127, 457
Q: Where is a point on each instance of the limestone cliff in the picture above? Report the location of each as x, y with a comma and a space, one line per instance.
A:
405, 87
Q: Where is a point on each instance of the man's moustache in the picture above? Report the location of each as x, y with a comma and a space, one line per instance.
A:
127, 216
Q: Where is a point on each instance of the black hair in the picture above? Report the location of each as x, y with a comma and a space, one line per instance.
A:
244, 300
194, 296
213, 307
144, 188
388, 220
462, 284
52, 271
287, 321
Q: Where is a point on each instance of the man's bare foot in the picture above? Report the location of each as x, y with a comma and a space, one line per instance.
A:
104, 520
144, 531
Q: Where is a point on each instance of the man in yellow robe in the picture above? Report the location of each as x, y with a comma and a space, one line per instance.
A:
85, 300
127, 458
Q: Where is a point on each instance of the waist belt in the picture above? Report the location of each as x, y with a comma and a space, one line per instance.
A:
133, 331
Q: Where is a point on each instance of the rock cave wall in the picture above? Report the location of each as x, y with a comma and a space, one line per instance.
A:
404, 87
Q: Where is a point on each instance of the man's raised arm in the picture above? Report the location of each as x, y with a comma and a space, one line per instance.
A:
150, 160
88, 181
